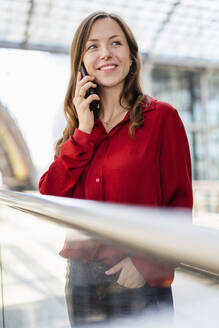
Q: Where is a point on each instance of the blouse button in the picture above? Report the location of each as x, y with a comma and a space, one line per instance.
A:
97, 179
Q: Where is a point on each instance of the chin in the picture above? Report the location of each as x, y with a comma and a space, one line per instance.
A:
110, 84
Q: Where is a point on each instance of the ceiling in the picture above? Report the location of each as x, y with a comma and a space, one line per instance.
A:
185, 30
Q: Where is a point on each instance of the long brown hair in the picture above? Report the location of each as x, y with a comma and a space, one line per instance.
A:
131, 93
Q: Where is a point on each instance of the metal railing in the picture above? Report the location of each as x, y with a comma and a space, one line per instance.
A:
167, 235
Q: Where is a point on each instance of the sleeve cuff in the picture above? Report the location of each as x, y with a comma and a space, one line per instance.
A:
80, 145
82, 138
77, 151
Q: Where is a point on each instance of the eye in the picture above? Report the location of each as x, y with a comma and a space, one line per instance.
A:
117, 43
92, 46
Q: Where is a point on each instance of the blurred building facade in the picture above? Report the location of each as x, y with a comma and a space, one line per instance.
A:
194, 93
16, 167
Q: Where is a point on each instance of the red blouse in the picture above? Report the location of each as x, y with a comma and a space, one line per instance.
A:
153, 170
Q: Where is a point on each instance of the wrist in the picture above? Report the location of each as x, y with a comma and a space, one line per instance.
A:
85, 129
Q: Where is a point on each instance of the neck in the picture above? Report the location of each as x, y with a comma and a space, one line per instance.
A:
110, 102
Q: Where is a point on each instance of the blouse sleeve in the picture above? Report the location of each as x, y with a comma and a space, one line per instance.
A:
176, 188
175, 164
64, 173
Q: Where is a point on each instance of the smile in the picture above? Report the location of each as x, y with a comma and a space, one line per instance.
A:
108, 68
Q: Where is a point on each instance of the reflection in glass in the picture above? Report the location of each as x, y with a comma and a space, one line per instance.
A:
37, 288
34, 279
94, 295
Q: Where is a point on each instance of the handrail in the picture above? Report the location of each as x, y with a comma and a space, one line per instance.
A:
166, 234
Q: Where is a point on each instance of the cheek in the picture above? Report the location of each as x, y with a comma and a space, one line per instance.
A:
127, 65
91, 68
86, 61
89, 60
125, 58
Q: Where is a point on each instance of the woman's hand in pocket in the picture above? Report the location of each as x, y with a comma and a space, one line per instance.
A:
129, 276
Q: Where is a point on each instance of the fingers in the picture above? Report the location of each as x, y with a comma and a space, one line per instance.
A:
85, 87
81, 83
82, 86
81, 102
126, 281
115, 268
121, 280
89, 100
131, 279
80, 93
129, 276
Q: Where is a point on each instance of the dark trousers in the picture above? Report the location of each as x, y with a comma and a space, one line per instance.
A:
93, 296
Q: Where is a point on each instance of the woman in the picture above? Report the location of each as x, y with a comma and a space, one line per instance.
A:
135, 152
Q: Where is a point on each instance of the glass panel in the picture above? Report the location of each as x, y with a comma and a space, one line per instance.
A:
179, 88
1, 303
213, 98
214, 153
44, 287
33, 274
198, 155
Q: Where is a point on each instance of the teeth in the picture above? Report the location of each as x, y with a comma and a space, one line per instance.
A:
107, 67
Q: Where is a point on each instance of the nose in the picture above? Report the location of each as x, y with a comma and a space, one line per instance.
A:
105, 52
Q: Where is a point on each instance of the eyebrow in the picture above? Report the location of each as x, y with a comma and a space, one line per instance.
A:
111, 37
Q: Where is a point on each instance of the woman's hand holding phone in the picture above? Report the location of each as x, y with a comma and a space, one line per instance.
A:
82, 105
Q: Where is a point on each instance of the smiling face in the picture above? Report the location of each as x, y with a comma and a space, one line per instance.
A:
107, 54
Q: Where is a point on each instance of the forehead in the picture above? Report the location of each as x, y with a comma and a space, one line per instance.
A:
104, 28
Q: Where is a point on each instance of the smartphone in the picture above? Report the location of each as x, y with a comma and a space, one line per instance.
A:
95, 104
